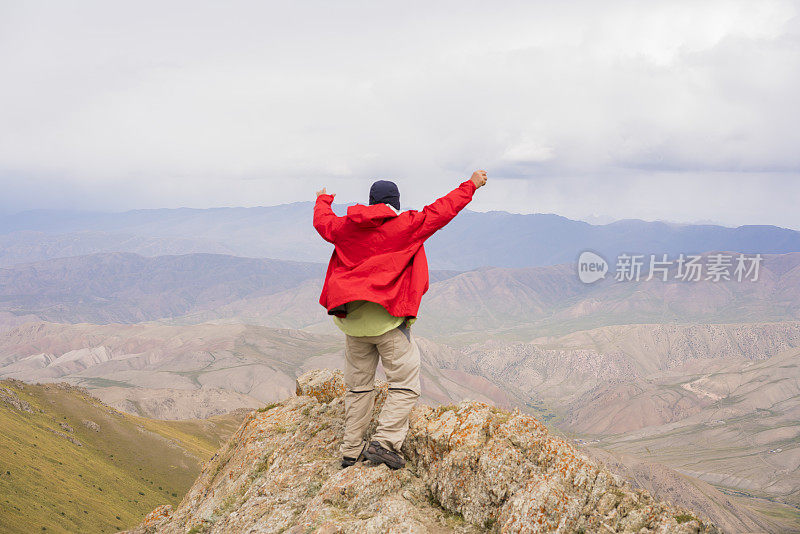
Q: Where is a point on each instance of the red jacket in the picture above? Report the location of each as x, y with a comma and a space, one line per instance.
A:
378, 254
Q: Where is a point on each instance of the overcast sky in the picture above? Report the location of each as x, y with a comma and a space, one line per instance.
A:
682, 111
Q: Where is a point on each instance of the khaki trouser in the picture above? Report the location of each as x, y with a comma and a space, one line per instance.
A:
399, 355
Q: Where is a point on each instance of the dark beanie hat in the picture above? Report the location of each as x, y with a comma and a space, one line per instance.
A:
384, 192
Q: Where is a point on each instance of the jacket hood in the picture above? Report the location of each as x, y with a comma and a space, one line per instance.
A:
371, 216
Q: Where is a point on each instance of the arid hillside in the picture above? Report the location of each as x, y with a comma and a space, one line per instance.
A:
667, 372
510, 304
72, 464
178, 372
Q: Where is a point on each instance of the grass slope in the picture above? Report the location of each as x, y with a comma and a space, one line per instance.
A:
118, 473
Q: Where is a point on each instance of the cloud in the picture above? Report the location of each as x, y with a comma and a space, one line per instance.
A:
122, 105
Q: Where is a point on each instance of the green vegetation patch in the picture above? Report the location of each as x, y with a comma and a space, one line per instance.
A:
107, 482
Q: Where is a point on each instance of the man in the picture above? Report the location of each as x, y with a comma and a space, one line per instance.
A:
375, 281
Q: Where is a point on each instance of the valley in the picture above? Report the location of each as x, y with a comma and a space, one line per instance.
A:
690, 389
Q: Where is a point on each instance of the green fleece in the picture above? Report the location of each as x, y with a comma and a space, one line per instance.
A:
366, 318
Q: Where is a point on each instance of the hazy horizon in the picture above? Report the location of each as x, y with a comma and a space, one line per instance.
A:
593, 219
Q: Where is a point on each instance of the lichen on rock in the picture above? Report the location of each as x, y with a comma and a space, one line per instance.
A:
322, 384
471, 468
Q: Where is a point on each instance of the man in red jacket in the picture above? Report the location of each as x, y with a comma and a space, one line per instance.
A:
375, 281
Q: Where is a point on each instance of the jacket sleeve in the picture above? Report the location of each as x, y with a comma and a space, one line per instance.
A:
326, 222
442, 211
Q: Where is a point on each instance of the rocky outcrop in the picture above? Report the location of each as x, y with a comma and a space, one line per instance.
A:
471, 468
67, 437
91, 425
10, 397
322, 384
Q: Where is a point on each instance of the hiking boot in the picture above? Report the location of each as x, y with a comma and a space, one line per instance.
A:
379, 455
347, 461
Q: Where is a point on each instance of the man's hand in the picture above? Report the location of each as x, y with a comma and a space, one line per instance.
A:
479, 178
322, 191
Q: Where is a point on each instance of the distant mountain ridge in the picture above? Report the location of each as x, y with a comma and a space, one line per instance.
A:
471, 240
519, 304
126, 287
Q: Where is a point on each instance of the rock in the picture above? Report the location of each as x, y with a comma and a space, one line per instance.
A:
67, 437
91, 425
471, 468
9, 396
158, 516
65, 426
322, 384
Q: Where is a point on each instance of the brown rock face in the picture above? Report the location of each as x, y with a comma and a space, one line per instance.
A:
471, 468
322, 384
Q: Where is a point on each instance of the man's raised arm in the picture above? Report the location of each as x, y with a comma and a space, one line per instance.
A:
325, 220
442, 211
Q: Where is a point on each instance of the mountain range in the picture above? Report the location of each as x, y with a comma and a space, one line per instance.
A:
518, 304
689, 388
471, 240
